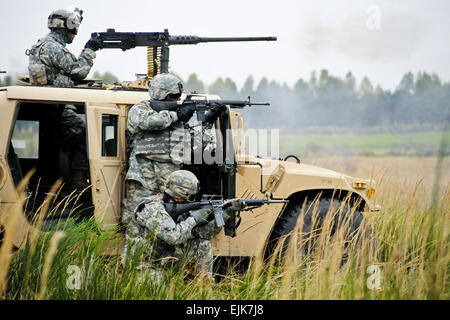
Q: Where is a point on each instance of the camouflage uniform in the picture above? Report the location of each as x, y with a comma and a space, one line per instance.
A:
149, 161
165, 241
51, 64
159, 144
168, 241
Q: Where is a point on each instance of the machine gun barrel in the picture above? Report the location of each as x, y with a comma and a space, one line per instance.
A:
195, 39
128, 40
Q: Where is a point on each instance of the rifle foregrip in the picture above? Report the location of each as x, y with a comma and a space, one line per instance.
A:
253, 202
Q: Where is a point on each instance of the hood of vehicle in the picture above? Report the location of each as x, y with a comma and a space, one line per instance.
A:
283, 178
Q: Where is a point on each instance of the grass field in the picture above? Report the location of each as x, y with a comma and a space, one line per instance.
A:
379, 145
411, 260
391, 172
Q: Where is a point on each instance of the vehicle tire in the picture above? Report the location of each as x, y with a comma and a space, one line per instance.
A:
314, 214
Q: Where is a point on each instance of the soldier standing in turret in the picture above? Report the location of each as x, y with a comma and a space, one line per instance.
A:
52, 64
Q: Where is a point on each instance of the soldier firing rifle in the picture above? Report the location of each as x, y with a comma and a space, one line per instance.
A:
202, 105
217, 204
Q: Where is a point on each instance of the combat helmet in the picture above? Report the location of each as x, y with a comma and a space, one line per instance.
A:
181, 184
65, 20
163, 85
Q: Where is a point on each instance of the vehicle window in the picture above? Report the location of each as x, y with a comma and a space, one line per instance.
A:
25, 139
109, 135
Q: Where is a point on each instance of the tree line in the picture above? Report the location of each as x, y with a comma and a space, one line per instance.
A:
420, 101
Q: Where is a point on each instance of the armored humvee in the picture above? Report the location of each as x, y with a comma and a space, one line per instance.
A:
30, 111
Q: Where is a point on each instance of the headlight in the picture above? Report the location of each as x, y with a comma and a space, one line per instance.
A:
359, 185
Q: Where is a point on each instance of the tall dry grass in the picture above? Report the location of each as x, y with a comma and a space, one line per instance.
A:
410, 260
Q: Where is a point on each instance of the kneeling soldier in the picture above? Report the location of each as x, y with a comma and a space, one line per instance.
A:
164, 240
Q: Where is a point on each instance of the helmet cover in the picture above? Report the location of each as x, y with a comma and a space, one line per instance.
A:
164, 84
65, 19
181, 184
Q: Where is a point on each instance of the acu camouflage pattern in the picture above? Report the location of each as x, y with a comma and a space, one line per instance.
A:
165, 241
65, 19
50, 63
149, 161
181, 184
154, 175
160, 144
151, 131
203, 137
164, 84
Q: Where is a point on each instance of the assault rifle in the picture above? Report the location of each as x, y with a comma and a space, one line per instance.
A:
159, 42
217, 204
201, 105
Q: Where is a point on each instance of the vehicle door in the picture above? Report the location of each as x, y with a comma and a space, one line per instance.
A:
107, 159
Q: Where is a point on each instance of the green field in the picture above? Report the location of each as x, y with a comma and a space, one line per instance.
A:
400, 144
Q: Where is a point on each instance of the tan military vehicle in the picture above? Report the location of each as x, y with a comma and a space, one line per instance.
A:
27, 136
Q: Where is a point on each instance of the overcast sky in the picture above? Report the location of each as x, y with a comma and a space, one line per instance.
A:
341, 36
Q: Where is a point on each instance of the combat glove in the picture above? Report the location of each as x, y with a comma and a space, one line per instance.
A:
200, 215
94, 43
214, 113
185, 113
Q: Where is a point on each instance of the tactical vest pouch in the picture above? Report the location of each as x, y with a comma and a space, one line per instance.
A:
38, 76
